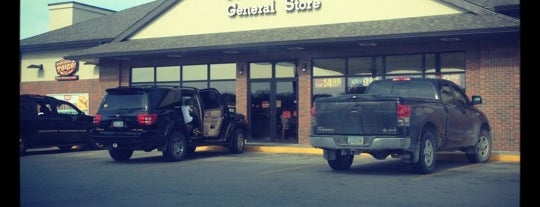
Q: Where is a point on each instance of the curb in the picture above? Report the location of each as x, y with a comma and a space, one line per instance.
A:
496, 156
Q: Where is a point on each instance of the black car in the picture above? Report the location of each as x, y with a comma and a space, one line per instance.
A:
45, 121
173, 120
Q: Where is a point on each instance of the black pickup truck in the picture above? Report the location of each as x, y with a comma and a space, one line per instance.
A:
407, 118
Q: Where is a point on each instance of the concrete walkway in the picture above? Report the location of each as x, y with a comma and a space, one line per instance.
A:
496, 156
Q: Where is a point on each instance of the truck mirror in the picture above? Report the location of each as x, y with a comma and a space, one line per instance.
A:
476, 100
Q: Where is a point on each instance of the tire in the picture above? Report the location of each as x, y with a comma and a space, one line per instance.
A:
482, 149
426, 161
342, 162
238, 142
176, 148
23, 145
120, 154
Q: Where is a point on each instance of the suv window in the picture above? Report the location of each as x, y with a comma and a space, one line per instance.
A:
169, 99
115, 101
210, 100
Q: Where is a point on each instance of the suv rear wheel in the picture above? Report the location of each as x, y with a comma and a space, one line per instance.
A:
120, 154
177, 147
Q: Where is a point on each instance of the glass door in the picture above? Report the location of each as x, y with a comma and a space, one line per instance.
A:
273, 101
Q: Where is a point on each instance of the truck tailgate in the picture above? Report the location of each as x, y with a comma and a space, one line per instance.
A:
355, 114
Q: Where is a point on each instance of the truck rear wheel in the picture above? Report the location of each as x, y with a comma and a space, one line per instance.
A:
177, 148
120, 154
482, 149
426, 162
342, 162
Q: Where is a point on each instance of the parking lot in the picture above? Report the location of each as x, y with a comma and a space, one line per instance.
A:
218, 178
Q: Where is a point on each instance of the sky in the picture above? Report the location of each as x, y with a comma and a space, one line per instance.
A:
34, 14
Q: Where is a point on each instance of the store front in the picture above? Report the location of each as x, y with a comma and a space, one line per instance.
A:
271, 66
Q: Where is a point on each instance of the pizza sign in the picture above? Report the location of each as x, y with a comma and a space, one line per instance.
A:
66, 67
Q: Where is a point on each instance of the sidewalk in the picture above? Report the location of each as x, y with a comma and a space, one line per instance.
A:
496, 156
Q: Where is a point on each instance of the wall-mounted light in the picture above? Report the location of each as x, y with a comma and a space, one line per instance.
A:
304, 67
240, 69
33, 66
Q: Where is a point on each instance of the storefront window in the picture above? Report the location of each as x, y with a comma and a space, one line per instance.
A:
453, 62
285, 70
194, 72
404, 65
328, 86
223, 71
260, 70
360, 66
329, 67
142, 75
168, 73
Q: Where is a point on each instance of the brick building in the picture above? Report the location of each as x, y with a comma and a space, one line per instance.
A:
272, 58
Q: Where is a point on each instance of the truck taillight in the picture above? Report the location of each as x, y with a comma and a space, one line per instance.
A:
147, 119
403, 114
97, 119
313, 111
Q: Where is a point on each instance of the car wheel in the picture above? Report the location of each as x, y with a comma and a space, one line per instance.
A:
426, 162
482, 149
23, 145
238, 142
177, 148
120, 154
342, 162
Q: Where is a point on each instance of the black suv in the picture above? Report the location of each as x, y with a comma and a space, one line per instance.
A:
151, 117
45, 121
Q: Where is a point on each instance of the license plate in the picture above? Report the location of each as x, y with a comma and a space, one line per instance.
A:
355, 140
118, 124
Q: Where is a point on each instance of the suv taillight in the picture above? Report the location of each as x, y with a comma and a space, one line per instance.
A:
403, 114
97, 119
147, 119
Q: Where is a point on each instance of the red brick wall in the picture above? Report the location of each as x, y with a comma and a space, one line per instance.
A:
494, 73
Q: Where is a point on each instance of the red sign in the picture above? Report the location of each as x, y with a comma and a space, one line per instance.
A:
66, 67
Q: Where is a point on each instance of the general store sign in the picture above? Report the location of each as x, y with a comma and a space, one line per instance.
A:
269, 8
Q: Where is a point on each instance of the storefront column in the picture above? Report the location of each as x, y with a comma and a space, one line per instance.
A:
242, 89
304, 101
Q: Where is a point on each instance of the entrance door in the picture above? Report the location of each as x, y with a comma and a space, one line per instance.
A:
273, 101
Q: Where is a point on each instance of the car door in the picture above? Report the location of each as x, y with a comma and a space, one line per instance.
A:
459, 117
213, 111
465, 114
71, 124
43, 127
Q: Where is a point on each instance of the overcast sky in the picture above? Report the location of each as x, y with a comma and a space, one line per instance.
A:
34, 17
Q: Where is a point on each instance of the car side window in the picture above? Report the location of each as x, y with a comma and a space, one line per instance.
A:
446, 95
44, 109
459, 96
65, 109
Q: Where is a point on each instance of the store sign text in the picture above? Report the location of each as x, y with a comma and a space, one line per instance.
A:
234, 10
